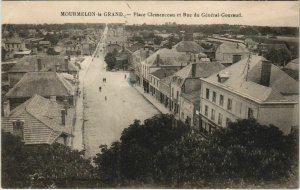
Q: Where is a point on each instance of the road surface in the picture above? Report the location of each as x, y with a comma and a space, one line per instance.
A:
106, 119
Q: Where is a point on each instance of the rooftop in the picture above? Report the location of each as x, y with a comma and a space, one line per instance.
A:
246, 82
164, 72
188, 46
203, 69
45, 111
228, 47
29, 63
42, 83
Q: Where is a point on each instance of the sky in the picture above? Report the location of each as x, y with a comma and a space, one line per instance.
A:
261, 13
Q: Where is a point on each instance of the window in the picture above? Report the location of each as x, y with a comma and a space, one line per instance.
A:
206, 111
212, 114
221, 100
214, 97
229, 104
220, 118
18, 128
250, 113
207, 93
227, 121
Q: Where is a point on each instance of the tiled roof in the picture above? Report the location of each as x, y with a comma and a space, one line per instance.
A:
43, 83
168, 57
233, 48
203, 69
164, 72
29, 63
42, 120
188, 46
247, 83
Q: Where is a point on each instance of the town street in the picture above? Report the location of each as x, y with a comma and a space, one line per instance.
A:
106, 119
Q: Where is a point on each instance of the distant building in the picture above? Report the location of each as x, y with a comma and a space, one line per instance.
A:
250, 88
13, 45
230, 53
40, 121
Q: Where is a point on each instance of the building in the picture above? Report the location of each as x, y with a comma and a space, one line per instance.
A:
229, 53
190, 108
155, 78
47, 84
161, 59
40, 63
13, 45
187, 80
40, 121
250, 88
135, 60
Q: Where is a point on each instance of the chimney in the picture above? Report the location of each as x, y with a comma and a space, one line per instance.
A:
265, 73
237, 45
6, 108
66, 66
194, 57
63, 116
39, 64
193, 70
157, 60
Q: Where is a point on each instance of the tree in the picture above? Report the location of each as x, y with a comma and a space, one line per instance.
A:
42, 166
157, 40
110, 59
130, 161
168, 155
279, 56
245, 150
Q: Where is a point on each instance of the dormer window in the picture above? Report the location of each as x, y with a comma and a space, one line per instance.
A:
223, 76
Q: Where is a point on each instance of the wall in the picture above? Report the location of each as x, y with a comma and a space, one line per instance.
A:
186, 110
239, 108
191, 84
278, 115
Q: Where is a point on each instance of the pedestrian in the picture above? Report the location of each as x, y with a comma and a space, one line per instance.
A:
100, 88
125, 76
105, 98
103, 80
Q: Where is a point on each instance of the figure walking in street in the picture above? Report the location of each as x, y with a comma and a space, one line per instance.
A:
125, 76
105, 98
100, 88
103, 80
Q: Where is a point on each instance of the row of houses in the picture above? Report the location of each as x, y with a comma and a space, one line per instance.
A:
208, 93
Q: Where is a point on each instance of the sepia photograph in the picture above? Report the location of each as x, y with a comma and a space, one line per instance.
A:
150, 95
